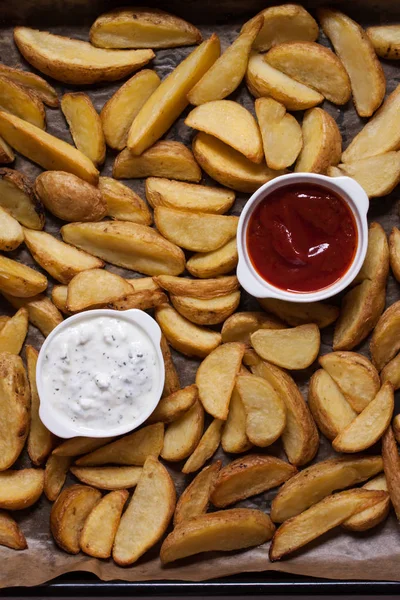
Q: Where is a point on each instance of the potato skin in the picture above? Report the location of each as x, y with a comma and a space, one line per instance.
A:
70, 198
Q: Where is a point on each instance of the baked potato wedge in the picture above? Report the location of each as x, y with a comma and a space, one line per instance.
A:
94, 289
80, 445
172, 407
40, 439
98, 533
206, 447
203, 289
14, 332
385, 40
195, 498
171, 378
391, 373
384, 342
10, 533
214, 263
234, 439
85, 126
241, 325
394, 252
294, 348
42, 313
391, 467
55, 475
142, 300
206, 311
322, 143
20, 489
108, 478
301, 313
123, 204
183, 435
17, 100
17, 198
11, 234
371, 517
33, 83
7, 155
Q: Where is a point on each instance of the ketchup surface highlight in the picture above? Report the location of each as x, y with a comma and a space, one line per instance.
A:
302, 237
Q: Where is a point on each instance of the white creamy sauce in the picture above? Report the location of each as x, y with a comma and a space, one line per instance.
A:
100, 372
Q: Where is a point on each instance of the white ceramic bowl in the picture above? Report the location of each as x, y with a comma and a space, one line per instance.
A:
358, 202
50, 416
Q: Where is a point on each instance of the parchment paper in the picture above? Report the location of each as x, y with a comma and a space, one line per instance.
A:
373, 555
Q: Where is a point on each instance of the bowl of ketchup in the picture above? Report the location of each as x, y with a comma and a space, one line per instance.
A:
302, 237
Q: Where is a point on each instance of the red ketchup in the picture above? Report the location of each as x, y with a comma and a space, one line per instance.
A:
302, 237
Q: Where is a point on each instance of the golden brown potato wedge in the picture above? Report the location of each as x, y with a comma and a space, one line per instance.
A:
55, 475
206, 447
241, 325
44, 149
378, 175
132, 449
370, 517
108, 478
69, 513
183, 335
234, 437
19, 101
322, 143
147, 515
188, 196
17, 198
168, 101
14, 408
369, 426
391, 372
164, 159
318, 481
206, 311
214, 263
94, 289
249, 476
284, 23
183, 435
385, 40
119, 111
40, 439
320, 518
385, 341
368, 83
20, 489
300, 436
295, 348
11, 234
195, 498
80, 445
101, 525
10, 534
33, 83
73, 61
172, 407
314, 66
13, 334
142, 28
226, 74
171, 377
227, 166
216, 118
301, 313
226, 530
7, 155
394, 252
142, 300
123, 203
42, 313
204, 289
391, 466
376, 264
264, 80
59, 298
129, 245
281, 133
85, 126
141, 284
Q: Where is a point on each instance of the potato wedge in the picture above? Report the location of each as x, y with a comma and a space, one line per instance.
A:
20, 489
284, 23
300, 437
10, 534
249, 476
13, 334
171, 377
69, 513
11, 234
369, 426
73, 61
142, 284
142, 28
394, 252
132, 449
214, 263
376, 263
391, 373
295, 348
188, 196
391, 466
183, 435
168, 101
368, 83
33, 83
44, 149
172, 407
14, 408
301, 313
17, 198
227, 166
119, 111
217, 118
108, 478
281, 133
94, 289
206, 311
370, 517
80, 445
355, 375
19, 101
226, 74
195, 498
264, 408
123, 203
164, 159
85, 126
206, 447
329, 407
40, 439
226, 530
385, 40
147, 515
320, 518
129, 245
318, 481
60, 260
378, 175
241, 325
234, 437
55, 475
385, 341
314, 66
396, 427
264, 80
59, 298
7, 155
100, 528
42, 313
322, 143
204, 289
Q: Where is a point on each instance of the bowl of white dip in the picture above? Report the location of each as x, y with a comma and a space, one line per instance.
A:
100, 373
